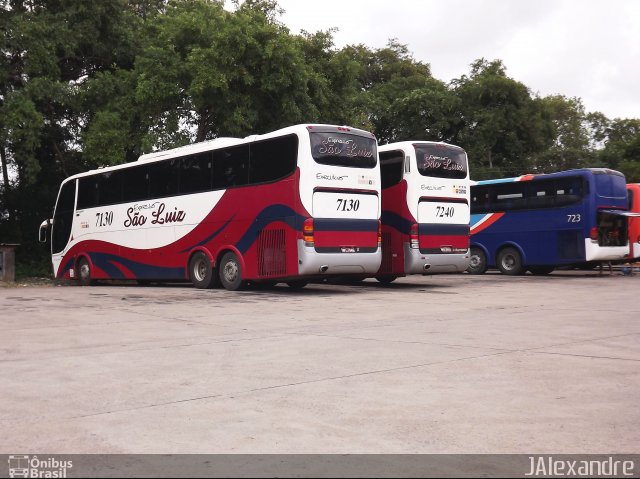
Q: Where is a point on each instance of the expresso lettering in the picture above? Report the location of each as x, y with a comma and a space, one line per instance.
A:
159, 216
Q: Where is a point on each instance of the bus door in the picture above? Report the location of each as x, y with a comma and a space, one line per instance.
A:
396, 218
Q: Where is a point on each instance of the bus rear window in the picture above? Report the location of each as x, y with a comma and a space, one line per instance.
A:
343, 149
441, 161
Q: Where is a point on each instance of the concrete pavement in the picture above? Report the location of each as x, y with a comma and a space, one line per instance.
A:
441, 364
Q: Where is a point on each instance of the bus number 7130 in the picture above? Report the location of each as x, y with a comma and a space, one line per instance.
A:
348, 205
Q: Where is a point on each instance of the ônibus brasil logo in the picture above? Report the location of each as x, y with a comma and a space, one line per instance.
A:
32, 466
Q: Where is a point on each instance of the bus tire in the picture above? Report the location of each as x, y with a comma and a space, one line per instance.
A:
231, 272
297, 285
541, 270
509, 261
201, 273
84, 272
386, 279
478, 261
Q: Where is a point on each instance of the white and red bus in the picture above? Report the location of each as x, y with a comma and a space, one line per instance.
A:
425, 209
292, 205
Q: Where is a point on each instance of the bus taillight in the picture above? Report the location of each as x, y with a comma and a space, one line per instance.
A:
413, 236
593, 234
307, 232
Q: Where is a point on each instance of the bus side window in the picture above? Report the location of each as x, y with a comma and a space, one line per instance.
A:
568, 191
273, 159
230, 167
163, 178
196, 173
541, 194
480, 199
87, 192
110, 188
508, 196
135, 184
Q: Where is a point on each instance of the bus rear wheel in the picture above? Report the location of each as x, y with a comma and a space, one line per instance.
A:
231, 272
84, 272
478, 261
386, 279
509, 262
297, 285
541, 270
200, 272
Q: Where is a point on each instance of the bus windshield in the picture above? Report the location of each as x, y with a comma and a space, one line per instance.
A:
343, 149
441, 161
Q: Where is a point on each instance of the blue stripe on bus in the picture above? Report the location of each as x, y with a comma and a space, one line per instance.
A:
105, 261
436, 229
345, 224
210, 237
267, 216
396, 221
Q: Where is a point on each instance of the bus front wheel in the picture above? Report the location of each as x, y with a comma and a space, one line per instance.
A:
231, 272
477, 261
200, 272
510, 262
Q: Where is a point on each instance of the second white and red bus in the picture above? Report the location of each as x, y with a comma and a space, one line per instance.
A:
425, 209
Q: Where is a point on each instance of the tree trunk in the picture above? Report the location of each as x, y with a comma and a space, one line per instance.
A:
5, 179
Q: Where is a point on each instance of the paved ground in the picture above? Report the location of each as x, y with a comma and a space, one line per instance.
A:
443, 364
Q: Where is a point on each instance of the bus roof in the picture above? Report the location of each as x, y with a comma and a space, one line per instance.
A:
221, 142
577, 171
412, 143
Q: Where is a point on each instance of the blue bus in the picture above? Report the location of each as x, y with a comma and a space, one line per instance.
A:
538, 222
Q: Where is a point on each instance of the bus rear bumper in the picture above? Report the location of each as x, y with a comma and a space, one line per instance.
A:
593, 252
418, 263
310, 262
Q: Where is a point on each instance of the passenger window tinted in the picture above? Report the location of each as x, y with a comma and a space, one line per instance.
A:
273, 159
507, 196
480, 199
391, 167
568, 191
163, 178
135, 184
110, 188
196, 173
230, 167
87, 192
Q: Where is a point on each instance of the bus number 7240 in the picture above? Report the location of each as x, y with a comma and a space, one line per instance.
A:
442, 212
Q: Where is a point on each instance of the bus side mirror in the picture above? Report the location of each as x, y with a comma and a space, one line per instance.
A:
42, 232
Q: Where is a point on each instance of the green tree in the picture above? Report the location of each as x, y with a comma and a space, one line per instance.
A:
399, 97
622, 148
50, 50
575, 135
501, 124
207, 72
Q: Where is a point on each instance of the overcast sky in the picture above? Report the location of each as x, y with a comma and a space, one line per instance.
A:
584, 48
